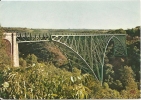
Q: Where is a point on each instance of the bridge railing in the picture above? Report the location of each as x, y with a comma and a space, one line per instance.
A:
30, 37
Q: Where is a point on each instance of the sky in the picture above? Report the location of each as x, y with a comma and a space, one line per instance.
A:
96, 14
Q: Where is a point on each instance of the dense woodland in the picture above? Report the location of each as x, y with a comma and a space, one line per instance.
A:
42, 75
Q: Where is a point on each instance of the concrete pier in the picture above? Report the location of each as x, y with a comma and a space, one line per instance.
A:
11, 37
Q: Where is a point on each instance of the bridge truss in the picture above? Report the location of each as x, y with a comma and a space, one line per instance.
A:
88, 51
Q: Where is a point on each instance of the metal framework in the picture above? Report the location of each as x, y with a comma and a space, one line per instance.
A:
86, 50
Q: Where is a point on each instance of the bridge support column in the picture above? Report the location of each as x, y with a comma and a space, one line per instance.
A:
11, 37
15, 55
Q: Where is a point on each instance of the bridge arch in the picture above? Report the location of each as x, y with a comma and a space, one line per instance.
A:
113, 37
8, 46
104, 54
77, 55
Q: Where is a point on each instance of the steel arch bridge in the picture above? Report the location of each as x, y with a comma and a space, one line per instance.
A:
88, 50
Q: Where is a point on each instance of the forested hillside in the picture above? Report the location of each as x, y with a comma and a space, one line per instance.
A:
42, 75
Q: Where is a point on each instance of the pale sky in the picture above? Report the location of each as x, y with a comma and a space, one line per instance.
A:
97, 14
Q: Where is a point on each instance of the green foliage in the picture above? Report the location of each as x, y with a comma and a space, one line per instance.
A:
127, 77
134, 58
42, 82
107, 93
38, 49
22, 62
45, 52
130, 93
31, 59
45, 81
134, 31
117, 31
108, 72
117, 84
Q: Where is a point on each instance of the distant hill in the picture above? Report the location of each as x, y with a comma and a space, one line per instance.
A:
96, 31
31, 30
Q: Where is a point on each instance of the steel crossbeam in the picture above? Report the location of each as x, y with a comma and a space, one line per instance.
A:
87, 50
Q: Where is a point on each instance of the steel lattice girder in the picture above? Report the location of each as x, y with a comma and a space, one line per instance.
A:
89, 50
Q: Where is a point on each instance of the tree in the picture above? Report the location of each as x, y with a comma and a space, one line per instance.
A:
40, 49
31, 59
118, 31
127, 77
107, 93
129, 84
111, 79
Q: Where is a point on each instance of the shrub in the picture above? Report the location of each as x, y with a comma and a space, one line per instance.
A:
42, 82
